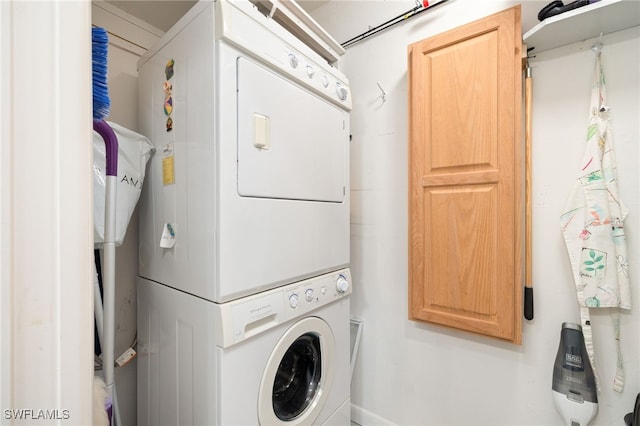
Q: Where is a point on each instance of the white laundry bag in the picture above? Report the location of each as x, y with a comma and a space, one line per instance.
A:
134, 151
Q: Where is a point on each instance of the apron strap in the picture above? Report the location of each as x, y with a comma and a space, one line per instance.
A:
618, 381
598, 104
585, 320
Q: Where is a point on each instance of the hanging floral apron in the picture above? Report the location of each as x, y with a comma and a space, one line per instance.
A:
592, 225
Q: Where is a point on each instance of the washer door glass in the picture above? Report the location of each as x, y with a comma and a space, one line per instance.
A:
298, 375
297, 378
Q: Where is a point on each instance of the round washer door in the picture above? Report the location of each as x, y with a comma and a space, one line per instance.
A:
298, 375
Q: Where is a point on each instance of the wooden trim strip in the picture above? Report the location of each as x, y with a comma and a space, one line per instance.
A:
465, 178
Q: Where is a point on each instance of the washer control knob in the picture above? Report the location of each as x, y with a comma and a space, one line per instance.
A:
293, 60
308, 295
341, 91
293, 300
325, 81
310, 71
342, 285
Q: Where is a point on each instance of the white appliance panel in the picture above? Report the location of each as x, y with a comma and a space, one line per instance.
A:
267, 242
175, 374
226, 245
188, 204
192, 371
290, 142
244, 236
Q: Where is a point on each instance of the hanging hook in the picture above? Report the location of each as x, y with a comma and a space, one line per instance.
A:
384, 94
597, 47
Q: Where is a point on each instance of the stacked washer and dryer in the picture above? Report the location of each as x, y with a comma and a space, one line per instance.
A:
243, 293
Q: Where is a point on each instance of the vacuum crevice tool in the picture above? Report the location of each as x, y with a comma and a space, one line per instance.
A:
574, 388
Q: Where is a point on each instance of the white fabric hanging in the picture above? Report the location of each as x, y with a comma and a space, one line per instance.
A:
593, 229
134, 151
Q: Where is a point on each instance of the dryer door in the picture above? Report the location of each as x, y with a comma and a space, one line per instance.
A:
291, 143
298, 375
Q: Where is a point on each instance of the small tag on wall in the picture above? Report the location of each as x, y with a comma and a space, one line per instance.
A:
168, 162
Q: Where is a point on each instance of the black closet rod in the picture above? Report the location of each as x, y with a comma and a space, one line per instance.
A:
404, 16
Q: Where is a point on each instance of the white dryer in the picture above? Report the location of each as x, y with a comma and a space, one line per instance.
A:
276, 358
249, 187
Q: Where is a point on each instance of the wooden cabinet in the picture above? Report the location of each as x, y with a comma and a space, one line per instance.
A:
466, 178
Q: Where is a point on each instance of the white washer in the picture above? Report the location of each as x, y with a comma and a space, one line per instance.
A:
248, 188
276, 358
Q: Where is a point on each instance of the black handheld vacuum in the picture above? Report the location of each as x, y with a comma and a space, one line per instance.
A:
574, 385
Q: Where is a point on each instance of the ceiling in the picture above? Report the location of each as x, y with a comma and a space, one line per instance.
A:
162, 14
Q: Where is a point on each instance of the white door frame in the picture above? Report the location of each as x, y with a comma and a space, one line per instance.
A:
46, 228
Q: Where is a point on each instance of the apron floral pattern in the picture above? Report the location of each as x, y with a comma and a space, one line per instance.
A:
593, 225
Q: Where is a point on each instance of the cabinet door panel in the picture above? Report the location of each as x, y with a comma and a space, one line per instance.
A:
466, 180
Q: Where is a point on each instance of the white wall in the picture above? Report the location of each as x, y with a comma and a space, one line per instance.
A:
418, 374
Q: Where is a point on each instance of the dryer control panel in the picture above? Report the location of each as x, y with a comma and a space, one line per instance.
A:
249, 316
316, 76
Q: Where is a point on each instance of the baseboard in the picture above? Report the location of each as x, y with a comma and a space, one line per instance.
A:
366, 418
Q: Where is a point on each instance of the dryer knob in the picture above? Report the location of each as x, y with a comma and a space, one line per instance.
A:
342, 285
310, 71
293, 60
293, 300
341, 91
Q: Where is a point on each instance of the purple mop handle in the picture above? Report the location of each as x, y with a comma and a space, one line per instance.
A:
111, 145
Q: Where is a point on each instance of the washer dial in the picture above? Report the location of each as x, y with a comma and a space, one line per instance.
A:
293, 300
308, 295
342, 285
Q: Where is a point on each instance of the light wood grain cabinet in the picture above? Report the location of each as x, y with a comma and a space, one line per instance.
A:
466, 177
